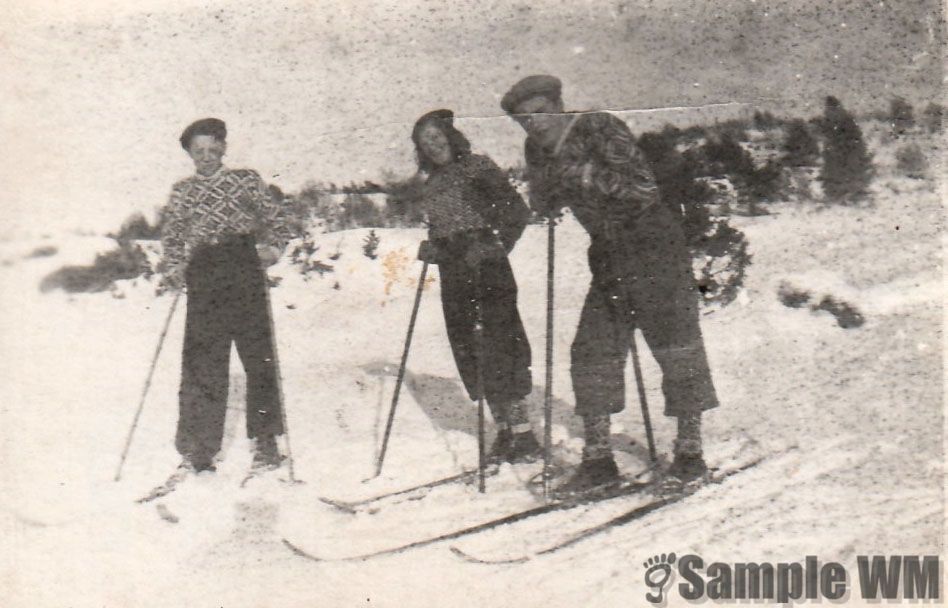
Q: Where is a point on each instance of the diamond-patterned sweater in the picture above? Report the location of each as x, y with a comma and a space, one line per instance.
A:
203, 210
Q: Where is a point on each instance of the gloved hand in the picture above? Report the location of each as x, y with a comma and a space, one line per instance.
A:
268, 254
428, 252
480, 251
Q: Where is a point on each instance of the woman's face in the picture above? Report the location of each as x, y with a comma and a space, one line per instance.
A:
206, 151
434, 144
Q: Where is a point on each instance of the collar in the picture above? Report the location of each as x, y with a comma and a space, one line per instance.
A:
220, 171
565, 134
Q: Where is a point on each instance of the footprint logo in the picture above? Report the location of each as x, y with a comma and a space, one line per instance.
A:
658, 571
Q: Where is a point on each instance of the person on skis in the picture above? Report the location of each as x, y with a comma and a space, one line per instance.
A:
221, 229
474, 219
641, 274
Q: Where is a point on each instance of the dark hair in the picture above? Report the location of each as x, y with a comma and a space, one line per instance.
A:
206, 126
444, 120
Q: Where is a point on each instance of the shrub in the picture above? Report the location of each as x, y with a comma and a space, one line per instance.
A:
911, 161
136, 227
127, 261
847, 165
719, 249
360, 211
901, 115
403, 201
304, 256
735, 129
724, 156
43, 251
764, 121
800, 148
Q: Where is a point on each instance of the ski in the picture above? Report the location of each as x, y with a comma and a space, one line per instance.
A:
366, 504
659, 501
625, 489
169, 486
356, 506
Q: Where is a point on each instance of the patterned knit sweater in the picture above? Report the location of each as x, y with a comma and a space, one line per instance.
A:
597, 170
471, 195
203, 210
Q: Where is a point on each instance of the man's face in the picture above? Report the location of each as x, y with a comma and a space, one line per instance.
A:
541, 118
207, 153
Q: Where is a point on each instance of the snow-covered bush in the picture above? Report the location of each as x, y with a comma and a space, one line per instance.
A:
304, 254
137, 228
718, 249
127, 261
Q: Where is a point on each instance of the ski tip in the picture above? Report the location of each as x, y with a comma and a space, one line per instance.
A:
339, 506
488, 562
297, 551
166, 514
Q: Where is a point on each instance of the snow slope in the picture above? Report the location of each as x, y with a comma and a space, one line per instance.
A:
851, 420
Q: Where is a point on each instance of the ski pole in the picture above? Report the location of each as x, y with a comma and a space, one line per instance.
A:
641, 388
279, 384
151, 373
479, 364
401, 370
548, 391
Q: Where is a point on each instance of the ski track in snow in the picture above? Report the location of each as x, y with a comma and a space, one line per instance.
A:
861, 406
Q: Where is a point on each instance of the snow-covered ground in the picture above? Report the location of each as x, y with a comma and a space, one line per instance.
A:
851, 420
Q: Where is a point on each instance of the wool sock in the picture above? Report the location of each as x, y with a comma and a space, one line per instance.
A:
597, 430
688, 442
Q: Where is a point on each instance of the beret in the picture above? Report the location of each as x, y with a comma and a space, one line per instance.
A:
442, 116
531, 86
214, 127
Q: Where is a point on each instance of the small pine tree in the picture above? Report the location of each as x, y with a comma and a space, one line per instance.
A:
847, 165
764, 121
800, 148
934, 114
901, 116
370, 245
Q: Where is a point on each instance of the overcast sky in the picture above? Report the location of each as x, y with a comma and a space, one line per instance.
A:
94, 96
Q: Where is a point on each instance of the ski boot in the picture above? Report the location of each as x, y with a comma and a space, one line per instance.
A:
266, 455
500, 449
688, 471
524, 447
594, 477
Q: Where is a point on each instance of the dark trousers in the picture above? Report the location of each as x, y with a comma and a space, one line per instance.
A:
506, 353
642, 279
227, 302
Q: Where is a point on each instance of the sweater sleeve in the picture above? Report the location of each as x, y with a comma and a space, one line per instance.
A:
618, 171
272, 215
505, 210
173, 234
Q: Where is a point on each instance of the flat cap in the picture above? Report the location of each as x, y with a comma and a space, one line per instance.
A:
531, 86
